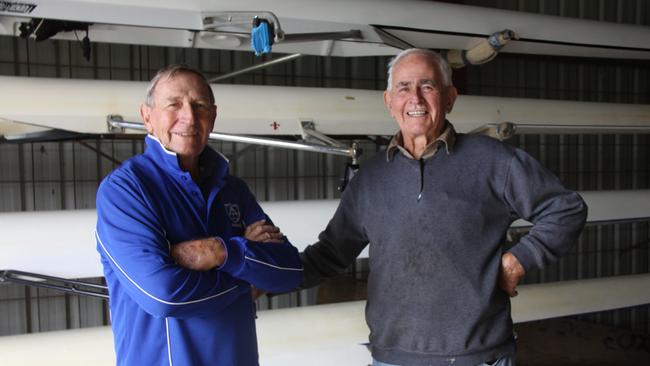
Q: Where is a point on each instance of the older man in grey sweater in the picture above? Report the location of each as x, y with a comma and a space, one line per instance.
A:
435, 208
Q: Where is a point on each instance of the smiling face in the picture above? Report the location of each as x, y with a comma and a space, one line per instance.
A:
417, 98
181, 116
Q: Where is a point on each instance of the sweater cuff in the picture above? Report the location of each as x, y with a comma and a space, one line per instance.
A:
235, 250
526, 257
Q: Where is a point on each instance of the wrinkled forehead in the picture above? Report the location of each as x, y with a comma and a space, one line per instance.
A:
416, 67
182, 83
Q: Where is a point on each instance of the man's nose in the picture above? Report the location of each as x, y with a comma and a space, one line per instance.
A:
187, 112
415, 95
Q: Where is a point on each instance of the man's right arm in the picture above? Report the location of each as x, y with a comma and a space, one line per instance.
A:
338, 245
133, 242
200, 254
209, 253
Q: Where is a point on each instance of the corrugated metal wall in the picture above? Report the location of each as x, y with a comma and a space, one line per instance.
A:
65, 175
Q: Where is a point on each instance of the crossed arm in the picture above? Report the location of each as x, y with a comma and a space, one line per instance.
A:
207, 253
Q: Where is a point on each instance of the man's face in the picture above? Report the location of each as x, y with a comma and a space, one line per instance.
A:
418, 101
182, 115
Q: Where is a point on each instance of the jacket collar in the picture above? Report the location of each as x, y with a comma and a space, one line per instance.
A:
211, 162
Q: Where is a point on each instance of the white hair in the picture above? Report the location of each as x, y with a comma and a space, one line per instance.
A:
169, 72
435, 58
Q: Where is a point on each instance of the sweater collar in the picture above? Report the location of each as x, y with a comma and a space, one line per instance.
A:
447, 138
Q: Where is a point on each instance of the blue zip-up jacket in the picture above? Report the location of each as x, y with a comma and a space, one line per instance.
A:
162, 313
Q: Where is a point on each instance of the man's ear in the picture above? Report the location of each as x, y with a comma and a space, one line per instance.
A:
145, 114
213, 116
452, 93
387, 99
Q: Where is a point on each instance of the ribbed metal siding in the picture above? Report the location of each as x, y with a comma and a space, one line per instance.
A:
64, 175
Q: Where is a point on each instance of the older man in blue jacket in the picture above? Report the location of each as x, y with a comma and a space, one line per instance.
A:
173, 232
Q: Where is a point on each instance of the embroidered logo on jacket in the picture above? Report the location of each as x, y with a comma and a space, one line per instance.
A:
232, 210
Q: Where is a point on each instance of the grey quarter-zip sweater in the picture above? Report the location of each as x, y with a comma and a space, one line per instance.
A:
436, 229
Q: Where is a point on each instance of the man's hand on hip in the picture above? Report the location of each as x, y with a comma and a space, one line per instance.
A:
511, 273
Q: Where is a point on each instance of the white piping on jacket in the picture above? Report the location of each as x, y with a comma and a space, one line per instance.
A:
150, 295
169, 343
272, 265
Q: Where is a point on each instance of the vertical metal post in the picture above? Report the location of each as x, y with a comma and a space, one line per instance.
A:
16, 60
28, 309
21, 178
74, 176
296, 192
68, 316
62, 175
27, 61
33, 178
323, 176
